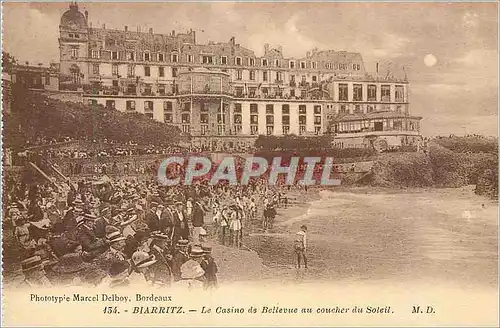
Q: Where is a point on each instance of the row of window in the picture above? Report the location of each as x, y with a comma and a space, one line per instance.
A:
168, 106
377, 125
131, 55
174, 71
369, 109
285, 109
254, 130
342, 87
131, 70
254, 120
372, 92
222, 60
254, 111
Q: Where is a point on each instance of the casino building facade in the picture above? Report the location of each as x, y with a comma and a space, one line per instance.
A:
223, 95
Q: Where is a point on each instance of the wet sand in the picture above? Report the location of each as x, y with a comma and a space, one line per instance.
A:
367, 235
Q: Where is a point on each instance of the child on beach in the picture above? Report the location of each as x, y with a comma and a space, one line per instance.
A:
300, 245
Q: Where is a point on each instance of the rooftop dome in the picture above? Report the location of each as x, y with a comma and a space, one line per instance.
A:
73, 17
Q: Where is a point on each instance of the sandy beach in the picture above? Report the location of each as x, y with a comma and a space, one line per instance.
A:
367, 235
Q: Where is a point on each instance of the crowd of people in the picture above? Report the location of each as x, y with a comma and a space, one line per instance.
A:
102, 232
77, 152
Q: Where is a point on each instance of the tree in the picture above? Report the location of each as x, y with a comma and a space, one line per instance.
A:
8, 61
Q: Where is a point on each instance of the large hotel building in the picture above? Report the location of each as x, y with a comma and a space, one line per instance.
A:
223, 95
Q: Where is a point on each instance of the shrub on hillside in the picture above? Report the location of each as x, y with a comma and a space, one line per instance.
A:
402, 170
487, 183
34, 116
472, 144
335, 153
449, 169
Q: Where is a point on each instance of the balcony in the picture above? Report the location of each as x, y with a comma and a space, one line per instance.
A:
110, 90
147, 93
365, 132
130, 92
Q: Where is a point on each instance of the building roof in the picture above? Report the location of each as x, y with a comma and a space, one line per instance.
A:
73, 16
34, 69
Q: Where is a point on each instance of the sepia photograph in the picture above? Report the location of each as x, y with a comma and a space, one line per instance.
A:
249, 163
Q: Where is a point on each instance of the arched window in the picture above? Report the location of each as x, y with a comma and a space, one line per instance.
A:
75, 73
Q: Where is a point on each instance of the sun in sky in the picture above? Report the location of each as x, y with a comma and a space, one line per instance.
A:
430, 60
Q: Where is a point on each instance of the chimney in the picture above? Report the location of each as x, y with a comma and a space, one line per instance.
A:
266, 48
232, 40
150, 30
103, 26
173, 32
126, 28
86, 15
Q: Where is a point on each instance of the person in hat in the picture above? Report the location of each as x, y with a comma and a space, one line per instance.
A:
203, 236
71, 195
70, 218
180, 256
115, 252
269, 214
189, 208
198, 220
22, 235
192, 274
152, 218
53, 213
59, 242
181, 228
221, 223
14, 214
140, 262
67, 268
102, 221
118, 275
128, 223
91, 245
39, 232
252, 208
160, 273
235, 226
167, 217
116, 216
300, 246
35, 212
210, 267
34, 273
39, 229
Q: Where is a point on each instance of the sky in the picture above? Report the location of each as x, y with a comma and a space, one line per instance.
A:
457, 95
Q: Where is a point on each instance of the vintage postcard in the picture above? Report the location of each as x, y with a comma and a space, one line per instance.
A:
249, 164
